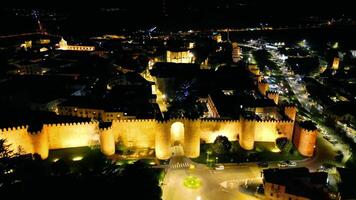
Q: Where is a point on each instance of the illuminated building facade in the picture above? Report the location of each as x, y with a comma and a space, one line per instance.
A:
98, 114
236, 52
335, 64
184, 56
217, 38
63, 45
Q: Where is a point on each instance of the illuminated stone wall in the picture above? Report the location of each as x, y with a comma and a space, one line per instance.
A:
285, 128
71, 134
149, 133
305, 140
107, 141
162, 141
274, 96
247, 137
263, 87
18, 136
290, 112
209, 129
192, 138
40, 143
137, 132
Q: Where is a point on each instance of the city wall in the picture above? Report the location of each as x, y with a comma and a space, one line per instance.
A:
305, 140
147, 133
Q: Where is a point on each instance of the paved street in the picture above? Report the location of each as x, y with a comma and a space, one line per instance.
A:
216, 184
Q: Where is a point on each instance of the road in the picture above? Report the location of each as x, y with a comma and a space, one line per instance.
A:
314, 112
223, 184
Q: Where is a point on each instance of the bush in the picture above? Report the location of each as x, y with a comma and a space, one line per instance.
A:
221, 145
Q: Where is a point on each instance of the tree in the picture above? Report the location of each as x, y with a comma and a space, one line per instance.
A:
221, 145
5, 151
284, 144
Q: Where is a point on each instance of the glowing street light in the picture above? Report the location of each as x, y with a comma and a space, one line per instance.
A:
77, 158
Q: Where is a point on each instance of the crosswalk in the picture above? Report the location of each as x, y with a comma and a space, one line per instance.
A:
180, 165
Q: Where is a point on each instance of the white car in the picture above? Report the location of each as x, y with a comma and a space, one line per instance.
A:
219, 167
292, 164
282, 164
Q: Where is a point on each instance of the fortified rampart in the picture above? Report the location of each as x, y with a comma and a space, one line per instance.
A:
263, 87
305, 140
148, 133
273, 95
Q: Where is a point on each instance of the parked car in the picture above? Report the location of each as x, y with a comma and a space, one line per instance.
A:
219, 167
291, 163
282, 164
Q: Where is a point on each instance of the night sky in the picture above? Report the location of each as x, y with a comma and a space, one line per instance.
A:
111, 16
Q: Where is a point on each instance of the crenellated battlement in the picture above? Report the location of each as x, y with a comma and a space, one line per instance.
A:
105, 129
307, 129
219, 120
307, 126
134, 120
305, 138
272, 92
16, 128
269, 120
148, 133
288, 105
71, 124
35, 132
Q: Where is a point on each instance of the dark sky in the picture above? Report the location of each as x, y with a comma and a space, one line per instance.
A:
105, 15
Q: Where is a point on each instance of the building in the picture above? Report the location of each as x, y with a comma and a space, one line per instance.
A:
236, 52
335, 64
346, 183
294, 184
27, 44
217, 38
63, 45
85, 108
180, 56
